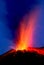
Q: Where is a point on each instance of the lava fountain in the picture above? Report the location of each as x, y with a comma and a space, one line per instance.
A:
25, 33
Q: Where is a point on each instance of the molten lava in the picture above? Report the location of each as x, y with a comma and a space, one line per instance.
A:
26, 33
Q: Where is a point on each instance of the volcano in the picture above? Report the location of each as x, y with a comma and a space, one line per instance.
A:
30, 56
24, 51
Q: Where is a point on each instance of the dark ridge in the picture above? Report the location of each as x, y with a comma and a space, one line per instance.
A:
21, 57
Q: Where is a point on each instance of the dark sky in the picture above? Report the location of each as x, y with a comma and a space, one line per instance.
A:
11, 12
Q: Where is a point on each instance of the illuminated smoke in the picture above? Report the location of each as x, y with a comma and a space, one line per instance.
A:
25, 34
26, 31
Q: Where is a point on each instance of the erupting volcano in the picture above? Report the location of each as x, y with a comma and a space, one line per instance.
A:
25, 33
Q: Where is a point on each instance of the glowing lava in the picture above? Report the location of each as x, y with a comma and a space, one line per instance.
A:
26, 31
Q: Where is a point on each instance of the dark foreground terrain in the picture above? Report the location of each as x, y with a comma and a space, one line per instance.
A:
13, 57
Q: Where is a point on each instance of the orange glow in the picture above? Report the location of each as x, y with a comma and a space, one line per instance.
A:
25, 34
26, 30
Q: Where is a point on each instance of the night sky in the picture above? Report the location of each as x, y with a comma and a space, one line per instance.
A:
11, 12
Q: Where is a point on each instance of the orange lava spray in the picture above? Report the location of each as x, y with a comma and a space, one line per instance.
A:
26, 30
25, 33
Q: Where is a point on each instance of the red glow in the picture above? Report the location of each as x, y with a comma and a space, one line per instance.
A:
26, 33
26, 29
38, 50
